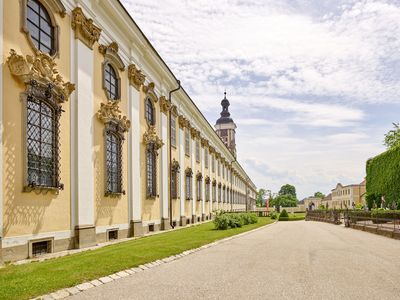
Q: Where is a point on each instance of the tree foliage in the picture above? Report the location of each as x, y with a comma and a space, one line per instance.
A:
319, 195
284, 201
383, 177
288, 189
392, 138
260, 198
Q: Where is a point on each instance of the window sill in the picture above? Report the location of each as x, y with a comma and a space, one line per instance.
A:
43, 189
187, 155
198, 200
188, 199
114, 194
151, 197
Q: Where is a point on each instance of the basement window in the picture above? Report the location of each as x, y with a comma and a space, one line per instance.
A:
198, 219
113, 235
174, 223
187, 221
40, 248
151, 227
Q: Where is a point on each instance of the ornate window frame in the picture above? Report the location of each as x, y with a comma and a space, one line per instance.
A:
52, 7
175, 169
214, 190
188, 184
199, 181
153, 143
41, 79
112, 58
207, 191
152, 97
117, 124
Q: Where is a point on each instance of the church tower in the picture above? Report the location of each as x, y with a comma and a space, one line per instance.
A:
225, 127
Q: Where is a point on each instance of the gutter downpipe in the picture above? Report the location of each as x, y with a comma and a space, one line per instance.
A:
170, 153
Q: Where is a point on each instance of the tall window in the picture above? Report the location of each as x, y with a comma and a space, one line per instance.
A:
111, 82
219, 192
187, 142
199, 180
214, 191
223, 171
113, 163
213, 163
173, 131
207, 191
219, 168
151, 166
223, 194
197, 151
42, 143
174, 184
188, 184
150, 112
174, 179
40, 27
227, 195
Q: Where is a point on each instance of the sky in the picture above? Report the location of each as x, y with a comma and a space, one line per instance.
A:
313, 84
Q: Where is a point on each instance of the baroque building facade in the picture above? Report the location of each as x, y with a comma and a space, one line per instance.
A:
98, 139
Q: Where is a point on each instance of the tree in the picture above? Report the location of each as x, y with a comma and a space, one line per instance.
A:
284, 201
392, 138
319, 195
288, 189
260, 198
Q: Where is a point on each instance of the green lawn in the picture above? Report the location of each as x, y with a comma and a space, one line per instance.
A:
38, 278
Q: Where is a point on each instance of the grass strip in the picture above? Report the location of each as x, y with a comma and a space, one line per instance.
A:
39, 278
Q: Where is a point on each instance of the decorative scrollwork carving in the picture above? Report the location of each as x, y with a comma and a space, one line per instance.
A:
151, 137
165, 105
136, 77
110, 52
84, 28
40, 68
110, 113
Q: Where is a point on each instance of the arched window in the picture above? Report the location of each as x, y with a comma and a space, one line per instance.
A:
111, 82
151, 171
40, 27
113, 162
150, 112
199, 181
214, 191
207, 191
174, 179
42, 143
188, 184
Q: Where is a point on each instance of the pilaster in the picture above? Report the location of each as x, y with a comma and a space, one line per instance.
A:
164, 174
1, 128
182, 173
203, 182
194, 182
82, 120
134, 189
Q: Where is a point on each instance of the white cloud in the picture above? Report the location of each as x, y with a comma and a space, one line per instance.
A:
302, 77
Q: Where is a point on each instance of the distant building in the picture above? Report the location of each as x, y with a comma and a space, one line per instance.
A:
225, 127
348, 195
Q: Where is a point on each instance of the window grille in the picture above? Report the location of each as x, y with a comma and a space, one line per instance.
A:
113, 162
197, 151
188, 184
42, 140
40, 248
187, 142
151, 171
173, 131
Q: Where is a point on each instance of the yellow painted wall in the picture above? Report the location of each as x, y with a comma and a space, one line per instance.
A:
31, 213
108, 209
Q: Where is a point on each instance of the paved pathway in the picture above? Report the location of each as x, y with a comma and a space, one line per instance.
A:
288, 260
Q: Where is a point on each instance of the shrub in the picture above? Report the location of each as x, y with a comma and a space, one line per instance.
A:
235, 220
284, 214
221, 222
273, 215
224, 221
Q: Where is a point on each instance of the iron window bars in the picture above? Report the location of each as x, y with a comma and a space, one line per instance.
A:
111, 82
151, 171
113, 159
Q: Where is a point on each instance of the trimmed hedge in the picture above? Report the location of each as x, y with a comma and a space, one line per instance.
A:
291, 218
283, 214
224, 221
383, 177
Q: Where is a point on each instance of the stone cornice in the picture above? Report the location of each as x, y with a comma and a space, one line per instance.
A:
110, 112
40, 68
84, 28
136, 77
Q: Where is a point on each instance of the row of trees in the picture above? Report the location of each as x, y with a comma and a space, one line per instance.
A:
286, 197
